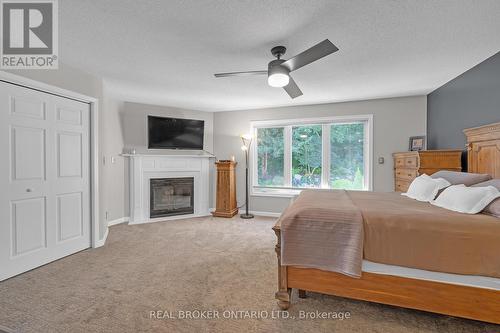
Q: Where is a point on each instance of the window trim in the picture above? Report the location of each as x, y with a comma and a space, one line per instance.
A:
287, 190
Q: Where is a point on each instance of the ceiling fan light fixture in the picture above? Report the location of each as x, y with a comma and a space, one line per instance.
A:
278, 80
278, 76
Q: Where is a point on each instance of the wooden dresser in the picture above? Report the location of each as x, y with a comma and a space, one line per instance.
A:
408, 165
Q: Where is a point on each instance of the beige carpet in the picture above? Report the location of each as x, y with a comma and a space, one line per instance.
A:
195, 264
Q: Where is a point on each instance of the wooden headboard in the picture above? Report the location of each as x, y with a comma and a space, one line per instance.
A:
483, 149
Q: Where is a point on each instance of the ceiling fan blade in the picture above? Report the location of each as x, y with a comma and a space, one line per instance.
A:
312, 54
292, 89
249, 73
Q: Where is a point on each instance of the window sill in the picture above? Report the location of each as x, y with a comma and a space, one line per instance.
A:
275, 192
271, 192
283, 193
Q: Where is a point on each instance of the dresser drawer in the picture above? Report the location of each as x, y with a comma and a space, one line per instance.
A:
411, 162
406, 174
399, 162
401, 185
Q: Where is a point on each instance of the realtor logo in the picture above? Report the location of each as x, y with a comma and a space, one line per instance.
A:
29, 34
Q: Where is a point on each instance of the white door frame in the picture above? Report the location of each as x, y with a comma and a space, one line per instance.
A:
94, 140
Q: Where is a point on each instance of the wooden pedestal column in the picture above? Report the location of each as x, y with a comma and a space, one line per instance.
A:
226, 189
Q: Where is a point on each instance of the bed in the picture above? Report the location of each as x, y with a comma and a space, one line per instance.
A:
461, 278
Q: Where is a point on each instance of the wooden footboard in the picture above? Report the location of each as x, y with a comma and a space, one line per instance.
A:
450, 299
283, 295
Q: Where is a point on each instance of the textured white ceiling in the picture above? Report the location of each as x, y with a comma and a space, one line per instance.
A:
166, 52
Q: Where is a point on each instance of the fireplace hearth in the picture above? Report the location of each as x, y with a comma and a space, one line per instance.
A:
171, 196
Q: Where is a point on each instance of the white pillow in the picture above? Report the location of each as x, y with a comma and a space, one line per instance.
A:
469, 200
425, 188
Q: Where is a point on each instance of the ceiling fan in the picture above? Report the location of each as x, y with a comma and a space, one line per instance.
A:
278, 71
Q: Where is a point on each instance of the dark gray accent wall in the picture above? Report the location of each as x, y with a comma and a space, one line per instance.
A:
470, 100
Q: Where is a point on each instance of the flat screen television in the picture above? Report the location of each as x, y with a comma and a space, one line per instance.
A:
175, 133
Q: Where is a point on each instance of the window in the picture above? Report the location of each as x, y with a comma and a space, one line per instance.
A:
270, 160
347, 166
290, 155
306, 156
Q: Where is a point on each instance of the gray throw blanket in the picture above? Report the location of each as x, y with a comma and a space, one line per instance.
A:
323, 229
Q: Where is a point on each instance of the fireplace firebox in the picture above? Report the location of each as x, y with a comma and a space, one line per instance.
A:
171, 196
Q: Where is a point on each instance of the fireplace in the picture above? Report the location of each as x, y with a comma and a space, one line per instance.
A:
171, 196
144, 168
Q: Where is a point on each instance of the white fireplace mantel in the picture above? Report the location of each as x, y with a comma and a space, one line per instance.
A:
144, 167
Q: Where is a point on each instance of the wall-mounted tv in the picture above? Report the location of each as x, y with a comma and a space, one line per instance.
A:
175, 133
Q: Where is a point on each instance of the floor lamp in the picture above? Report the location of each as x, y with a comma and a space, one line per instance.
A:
247, 142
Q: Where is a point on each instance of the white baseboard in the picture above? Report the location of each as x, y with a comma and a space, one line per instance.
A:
167, 218
118, 221
101, 242
266, 214
255, 212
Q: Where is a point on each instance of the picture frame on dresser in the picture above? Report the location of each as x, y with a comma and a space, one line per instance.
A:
417, 143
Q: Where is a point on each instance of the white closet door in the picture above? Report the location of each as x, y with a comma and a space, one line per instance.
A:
44, 178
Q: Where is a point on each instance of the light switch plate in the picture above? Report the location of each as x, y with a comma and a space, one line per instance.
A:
381, 160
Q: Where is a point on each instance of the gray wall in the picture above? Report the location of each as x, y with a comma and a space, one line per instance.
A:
114, 189
65, 77
395, 120
470, 100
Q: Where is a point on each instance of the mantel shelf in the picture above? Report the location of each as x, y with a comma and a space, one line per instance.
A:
168, 155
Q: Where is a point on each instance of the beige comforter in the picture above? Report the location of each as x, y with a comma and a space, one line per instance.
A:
323, 229
405, 232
